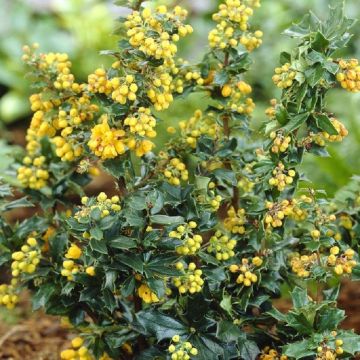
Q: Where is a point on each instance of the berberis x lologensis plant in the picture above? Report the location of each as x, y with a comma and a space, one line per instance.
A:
186, 259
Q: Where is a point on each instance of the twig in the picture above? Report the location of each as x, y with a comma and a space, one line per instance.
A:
122, 186
11, 332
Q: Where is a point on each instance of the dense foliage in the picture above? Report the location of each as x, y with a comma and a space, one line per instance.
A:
184, 258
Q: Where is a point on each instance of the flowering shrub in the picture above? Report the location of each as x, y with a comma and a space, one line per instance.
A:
187, 258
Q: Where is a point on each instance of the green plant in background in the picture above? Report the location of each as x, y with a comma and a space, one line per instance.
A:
56, 20
54, 26
184, 258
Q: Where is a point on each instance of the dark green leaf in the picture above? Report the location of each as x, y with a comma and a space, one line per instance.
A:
299, 297
248, 349
295, 122
96, 233
166, 220
19, 203
285, 57
43, 295
228, 332
329, 318
134, 261
314, 74
99, 246
109, 300
162, 326
221, 77
299, 349
324, 123
320, 43
281, 115
123, 242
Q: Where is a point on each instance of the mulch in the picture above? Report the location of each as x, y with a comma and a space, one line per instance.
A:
38, 338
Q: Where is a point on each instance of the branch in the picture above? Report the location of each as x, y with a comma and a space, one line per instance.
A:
137, 4
122, 186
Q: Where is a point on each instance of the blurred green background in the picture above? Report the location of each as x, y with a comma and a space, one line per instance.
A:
84, 27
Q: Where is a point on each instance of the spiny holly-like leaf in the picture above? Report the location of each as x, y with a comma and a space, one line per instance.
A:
160, 325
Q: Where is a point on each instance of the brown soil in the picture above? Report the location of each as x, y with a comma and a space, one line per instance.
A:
38, 338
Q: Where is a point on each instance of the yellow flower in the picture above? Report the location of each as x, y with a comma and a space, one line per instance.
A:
90, 271
147, 295
106, 142
74, 252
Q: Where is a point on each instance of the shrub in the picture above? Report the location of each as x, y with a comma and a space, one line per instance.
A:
186, 257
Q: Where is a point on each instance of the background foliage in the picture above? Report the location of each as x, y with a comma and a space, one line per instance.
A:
54, 24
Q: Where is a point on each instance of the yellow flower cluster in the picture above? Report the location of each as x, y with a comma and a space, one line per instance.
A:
108, 143
335, 235
280, 143
247, 277
184, 75
321, 137
121, 89
77, 352
161, 87
281, 177
301, 265
190, 281
147, 33
284, 76
277, 212
141, 29
56, 118
342, 263
222, 246
232, 26
68, 147
175, 171
271, 354
141, 123
85, 166
181, 350
349, 75
215, 200
245, 184
346, 222
194, 75
325, 352
147, 295
198, 125
271, 110
8, 296
235, 221
27, 259
103, 203
237, 97
57, 64
70, 268
33, 174
191, 242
